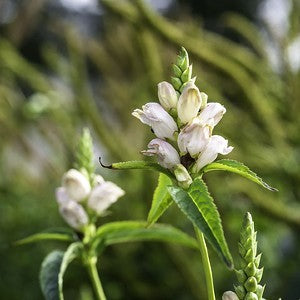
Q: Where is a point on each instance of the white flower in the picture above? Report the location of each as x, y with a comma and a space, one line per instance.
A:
217, 144
155, 116
167, 155
183, 177
167, 95
76, 184
193, 137
104, 195
189, 103
212, 113
229, 295
72, 212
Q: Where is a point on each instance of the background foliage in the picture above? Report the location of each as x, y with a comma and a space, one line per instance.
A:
64, 67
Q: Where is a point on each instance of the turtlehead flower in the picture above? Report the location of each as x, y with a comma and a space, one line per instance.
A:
189, 103
193, 138
155, 116
183, 177
212, 113
103, 196
71, 211
167, 155
76, 185
216, 145
229, 295
167, 95
76, 188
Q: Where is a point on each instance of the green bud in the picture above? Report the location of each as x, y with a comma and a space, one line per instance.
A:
250, 269
241, 276
259, 291
176, 70
186, 75
176, 83
251, 296
259, 274
182, 59
249, 255
240, 291
204, 98
251, 284
183, 177
257, 260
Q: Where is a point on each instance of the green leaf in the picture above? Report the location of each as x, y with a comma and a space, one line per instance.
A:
53, 269
143, 165
65, 237
238, 168
133, 231
72, 252
197, 204
49, 275
161, 199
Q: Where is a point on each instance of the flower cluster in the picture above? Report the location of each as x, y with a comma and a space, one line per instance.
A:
183, 123
79, 200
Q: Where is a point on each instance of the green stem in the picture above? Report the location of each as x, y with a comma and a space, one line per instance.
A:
206, 265
92, 269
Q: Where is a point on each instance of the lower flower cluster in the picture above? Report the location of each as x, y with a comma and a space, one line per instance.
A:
183, 125
79, 199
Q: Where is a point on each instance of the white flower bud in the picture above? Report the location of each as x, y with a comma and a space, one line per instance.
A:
183, 177
217, 144
189, 103
167, 155
167, 95
76, 184
212, 113
204, 98
155, 116
103, 196
229, 295
72, 212
193, 138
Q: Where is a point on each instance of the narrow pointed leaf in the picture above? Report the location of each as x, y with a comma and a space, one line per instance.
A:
135, 164
197, 204
134, 231
45, 236
53, 269
55, 234
238, 168
161, 199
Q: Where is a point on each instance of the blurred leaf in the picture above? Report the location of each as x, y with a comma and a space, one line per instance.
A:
197, 204
53, 269
134, 231
49, 275
238, 168
72, 252
45, 236
161, 199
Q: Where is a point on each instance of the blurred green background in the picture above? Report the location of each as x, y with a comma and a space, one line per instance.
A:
66, 64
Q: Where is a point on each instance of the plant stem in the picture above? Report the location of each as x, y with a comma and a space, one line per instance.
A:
206, 265
92, 269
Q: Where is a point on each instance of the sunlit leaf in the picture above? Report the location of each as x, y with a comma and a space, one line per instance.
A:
135, 164
161, 199
238, 168
197, 204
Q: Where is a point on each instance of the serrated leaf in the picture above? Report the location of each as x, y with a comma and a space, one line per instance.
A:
136, 164
133, 231
197, 204
161, 199
238, 168
53, 269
